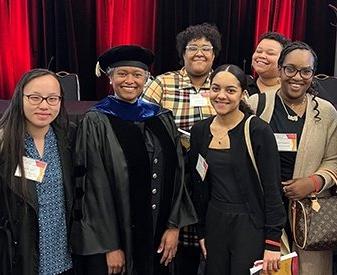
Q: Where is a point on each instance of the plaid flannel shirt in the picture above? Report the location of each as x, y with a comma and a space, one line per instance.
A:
172, 91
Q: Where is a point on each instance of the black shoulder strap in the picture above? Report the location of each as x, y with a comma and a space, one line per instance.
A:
261, 104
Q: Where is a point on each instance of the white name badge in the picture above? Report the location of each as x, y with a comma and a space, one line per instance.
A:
202, 167
197, 100
34, 169
286, 142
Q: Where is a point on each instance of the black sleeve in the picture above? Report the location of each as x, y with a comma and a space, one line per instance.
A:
182, 211
199, 188
6, 223
96, 229
267, 159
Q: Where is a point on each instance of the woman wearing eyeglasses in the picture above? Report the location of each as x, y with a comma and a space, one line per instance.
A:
35, 179
305, 128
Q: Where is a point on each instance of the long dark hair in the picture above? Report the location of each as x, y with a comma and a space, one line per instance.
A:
13, 127
313, 89
241, 76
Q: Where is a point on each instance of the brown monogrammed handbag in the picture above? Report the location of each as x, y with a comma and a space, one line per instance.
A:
312, 229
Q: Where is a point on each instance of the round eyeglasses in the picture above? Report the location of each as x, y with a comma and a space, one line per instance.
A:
291, 71
37, 99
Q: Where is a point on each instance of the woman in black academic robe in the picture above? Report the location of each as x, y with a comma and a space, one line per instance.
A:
131, 199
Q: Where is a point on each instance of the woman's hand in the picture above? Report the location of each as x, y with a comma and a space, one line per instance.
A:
115, 261
271, 261
297, 189
168, 245
203, 247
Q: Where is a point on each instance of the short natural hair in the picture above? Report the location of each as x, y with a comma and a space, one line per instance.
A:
276, 37
206, 30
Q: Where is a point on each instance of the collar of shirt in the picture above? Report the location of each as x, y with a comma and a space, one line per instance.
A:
186, 81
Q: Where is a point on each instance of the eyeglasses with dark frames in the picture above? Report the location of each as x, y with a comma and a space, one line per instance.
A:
37, 99
291, 71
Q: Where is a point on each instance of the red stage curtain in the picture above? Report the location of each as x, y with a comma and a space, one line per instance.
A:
283, 18
15, 54
125, 22
263, 16
287, 17
300, 21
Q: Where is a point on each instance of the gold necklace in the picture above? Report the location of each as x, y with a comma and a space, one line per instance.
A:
219, 139
218, 133
293, 105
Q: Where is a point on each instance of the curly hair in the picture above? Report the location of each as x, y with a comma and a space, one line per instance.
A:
241, 76
204, 30
299, 45
276, 37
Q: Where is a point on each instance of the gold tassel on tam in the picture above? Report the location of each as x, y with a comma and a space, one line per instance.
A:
98, 70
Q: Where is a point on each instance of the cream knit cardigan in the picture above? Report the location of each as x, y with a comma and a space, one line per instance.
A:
317, 151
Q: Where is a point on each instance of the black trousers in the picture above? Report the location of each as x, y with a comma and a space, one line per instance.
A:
96, 265
90, 265
186, 261
233, 243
